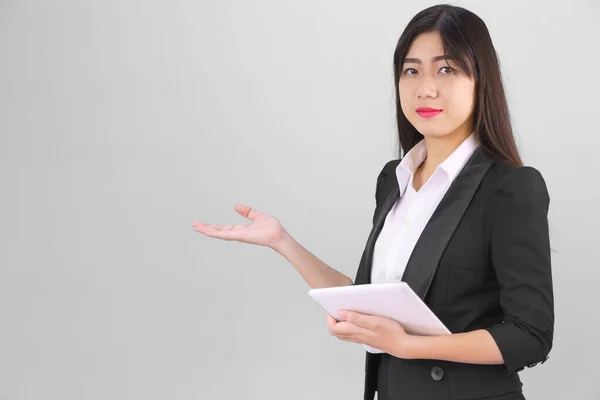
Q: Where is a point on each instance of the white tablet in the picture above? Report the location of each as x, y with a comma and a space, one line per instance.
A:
392, 300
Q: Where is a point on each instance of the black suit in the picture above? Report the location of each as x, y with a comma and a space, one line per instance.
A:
482, 262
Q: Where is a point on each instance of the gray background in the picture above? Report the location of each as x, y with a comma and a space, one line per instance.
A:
123, 122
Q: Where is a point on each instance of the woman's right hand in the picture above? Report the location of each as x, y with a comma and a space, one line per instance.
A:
265, 230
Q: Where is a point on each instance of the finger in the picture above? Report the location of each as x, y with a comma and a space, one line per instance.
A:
207, 229
342, 336
330, 320
349, 338
246, 211
345, 328
202, 227
362, 320
225, 232
348, 328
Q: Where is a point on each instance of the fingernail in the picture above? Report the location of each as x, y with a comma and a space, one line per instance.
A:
343, 314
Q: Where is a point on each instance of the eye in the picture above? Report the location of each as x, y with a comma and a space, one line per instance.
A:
409, 69
448, 68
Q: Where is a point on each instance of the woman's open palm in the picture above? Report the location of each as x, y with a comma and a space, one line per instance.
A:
264, 230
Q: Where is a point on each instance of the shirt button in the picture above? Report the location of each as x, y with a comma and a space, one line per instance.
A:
437, 373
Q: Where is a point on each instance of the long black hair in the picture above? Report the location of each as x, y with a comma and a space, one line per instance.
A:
466, 39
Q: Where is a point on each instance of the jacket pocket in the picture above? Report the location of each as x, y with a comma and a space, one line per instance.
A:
470, 266
472, 381
463, 283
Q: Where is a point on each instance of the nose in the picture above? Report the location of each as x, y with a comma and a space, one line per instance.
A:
427, 89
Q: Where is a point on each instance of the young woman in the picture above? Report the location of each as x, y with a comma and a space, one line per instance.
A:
458, 217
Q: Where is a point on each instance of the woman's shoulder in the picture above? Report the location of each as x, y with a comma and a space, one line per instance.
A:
388, 168
507, 178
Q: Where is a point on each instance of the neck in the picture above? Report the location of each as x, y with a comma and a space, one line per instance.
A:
440, 148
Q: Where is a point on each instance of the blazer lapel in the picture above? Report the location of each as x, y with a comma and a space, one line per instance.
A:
423, 262
392, 192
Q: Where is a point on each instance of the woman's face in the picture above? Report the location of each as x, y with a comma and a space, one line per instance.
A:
429, 82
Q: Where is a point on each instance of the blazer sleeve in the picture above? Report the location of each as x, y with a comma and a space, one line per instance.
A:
520, 256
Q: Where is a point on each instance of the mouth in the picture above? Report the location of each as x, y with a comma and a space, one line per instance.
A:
428, 112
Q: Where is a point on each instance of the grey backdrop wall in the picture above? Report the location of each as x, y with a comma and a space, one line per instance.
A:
123, 122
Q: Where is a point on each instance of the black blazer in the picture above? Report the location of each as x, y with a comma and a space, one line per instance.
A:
482, 262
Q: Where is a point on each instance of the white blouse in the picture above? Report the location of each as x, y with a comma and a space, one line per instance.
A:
411, 212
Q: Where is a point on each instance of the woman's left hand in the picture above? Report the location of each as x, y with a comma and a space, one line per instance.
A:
381, 333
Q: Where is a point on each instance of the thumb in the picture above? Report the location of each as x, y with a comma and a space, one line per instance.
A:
246, 211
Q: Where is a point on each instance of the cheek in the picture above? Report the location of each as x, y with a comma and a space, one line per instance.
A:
461, 102
405, 100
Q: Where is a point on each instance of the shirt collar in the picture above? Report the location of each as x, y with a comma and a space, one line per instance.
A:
451, 166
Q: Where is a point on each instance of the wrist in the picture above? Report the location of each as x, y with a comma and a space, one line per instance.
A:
282, 243
408, 348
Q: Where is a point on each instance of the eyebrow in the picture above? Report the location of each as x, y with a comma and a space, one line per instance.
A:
434, 59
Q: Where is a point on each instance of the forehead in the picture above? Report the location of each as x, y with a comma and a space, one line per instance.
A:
426, 45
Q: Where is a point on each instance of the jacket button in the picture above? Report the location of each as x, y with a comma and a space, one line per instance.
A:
437, 373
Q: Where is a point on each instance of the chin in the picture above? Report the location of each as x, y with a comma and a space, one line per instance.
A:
433, 132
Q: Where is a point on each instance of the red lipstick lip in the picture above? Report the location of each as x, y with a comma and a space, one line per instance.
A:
427, 110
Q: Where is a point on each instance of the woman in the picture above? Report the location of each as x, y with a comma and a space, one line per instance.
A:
458, 217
